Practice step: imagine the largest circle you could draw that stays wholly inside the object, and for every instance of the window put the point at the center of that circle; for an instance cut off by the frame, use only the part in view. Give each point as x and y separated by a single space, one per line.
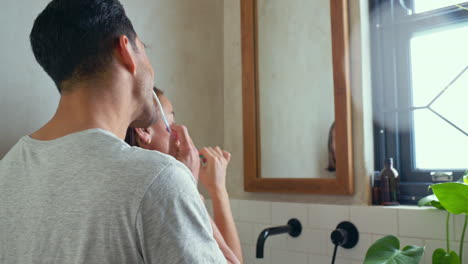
420 90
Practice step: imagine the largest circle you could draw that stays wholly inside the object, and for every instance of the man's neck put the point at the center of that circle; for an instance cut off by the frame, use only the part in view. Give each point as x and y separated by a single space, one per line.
86 108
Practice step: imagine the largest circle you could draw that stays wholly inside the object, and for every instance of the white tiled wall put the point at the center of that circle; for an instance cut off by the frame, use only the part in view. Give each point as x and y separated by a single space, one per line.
413 225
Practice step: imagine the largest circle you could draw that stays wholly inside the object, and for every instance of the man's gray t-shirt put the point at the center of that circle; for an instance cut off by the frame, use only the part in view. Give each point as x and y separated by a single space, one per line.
88 197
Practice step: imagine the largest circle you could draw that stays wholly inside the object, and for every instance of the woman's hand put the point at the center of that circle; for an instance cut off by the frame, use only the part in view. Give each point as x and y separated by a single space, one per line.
213 178
213 173
182 148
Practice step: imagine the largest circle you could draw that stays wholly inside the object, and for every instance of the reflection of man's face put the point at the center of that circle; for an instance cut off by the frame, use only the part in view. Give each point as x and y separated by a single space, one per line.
331 149
144 80
333 141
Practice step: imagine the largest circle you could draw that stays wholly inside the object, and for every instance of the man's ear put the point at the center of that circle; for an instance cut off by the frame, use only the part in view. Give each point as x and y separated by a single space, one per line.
126 54
144 135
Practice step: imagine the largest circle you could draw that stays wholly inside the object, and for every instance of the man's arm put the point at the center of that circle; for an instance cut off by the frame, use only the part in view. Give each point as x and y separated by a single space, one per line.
172 225
183 149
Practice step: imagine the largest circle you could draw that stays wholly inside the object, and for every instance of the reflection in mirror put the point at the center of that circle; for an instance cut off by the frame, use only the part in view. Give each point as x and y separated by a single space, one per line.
295 89
296 97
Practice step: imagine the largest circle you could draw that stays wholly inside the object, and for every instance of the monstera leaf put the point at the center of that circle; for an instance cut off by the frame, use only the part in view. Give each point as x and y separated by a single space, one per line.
453 196
440 256
387 251
430 200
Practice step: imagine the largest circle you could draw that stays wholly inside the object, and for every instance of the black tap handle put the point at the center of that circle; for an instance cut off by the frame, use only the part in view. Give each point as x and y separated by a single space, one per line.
339 237
293 228
345 235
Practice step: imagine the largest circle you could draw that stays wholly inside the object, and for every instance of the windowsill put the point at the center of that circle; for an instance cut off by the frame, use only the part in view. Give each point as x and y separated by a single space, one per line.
406 207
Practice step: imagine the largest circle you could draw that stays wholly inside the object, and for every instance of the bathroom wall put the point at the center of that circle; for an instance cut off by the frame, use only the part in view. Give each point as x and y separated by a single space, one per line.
185 47
185 40
361 108
413 226
28 97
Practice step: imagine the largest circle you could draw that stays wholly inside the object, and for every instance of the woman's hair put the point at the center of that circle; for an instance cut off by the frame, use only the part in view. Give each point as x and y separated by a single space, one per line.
131 137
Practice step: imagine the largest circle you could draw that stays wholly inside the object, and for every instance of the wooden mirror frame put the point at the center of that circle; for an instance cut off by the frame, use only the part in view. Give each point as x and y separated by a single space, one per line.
344 181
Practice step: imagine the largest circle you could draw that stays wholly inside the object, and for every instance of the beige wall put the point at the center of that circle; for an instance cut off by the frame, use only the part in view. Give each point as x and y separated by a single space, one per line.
185 39
185 47
362 119
28 97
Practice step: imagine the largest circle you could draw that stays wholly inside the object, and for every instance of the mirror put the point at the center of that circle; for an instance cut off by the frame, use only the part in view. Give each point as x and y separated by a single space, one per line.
295 87
296 97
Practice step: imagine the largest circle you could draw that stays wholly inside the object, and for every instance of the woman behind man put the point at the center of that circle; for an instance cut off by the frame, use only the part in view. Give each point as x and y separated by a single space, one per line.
212 174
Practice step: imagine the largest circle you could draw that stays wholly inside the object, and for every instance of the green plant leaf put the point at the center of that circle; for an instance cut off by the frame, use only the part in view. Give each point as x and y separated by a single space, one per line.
440 256
453 196
430 200
387 251
463 179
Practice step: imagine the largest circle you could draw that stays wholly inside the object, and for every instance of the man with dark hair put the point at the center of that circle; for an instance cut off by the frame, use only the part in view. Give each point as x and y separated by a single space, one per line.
74 191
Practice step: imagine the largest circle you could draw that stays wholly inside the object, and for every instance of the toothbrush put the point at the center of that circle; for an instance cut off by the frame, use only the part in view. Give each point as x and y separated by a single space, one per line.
168 128
203 160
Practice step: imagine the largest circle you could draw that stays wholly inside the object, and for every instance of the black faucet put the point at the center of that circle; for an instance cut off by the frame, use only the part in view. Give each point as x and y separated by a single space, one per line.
293 228
345 235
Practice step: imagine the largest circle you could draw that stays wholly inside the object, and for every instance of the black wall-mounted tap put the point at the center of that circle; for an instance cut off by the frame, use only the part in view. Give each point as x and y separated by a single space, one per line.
293 228
345 235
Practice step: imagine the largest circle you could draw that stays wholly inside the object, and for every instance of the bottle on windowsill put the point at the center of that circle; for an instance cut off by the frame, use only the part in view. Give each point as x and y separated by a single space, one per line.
389 184
375 188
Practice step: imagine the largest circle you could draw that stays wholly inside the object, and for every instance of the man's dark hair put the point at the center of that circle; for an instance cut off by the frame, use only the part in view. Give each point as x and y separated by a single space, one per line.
75 38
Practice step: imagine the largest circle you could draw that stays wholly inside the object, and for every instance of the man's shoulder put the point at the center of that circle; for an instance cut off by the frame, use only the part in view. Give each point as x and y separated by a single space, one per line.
162 176
158 164
128 158
144 157
140 161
